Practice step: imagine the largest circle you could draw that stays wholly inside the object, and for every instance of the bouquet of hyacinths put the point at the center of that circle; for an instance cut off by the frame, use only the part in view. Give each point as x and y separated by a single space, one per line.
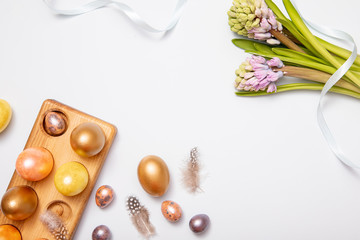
285 47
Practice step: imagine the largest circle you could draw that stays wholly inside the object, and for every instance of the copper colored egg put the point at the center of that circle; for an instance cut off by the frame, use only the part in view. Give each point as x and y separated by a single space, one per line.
199 223
153 175
171 211
19 202
104 196
101 232
87 139
9 232
34 164
55 123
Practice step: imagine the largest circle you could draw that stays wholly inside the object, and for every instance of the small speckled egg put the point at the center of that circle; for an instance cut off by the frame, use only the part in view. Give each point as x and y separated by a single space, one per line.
171 211
101 232
104 196
55 123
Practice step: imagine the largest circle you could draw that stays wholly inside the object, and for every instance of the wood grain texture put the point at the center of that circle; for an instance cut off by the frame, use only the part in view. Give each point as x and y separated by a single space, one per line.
70 208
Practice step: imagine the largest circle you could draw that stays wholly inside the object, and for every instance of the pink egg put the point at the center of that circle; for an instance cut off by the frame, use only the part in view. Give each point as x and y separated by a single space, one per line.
34 164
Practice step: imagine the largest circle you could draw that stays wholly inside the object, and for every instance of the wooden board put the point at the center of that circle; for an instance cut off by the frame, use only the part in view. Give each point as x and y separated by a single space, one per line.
70 208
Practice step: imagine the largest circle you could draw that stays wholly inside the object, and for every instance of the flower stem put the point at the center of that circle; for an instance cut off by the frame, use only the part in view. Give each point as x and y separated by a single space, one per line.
301 86
286 41
345 54
294 15
315 75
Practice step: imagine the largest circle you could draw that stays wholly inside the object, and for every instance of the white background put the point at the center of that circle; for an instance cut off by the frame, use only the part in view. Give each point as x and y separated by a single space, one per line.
268 172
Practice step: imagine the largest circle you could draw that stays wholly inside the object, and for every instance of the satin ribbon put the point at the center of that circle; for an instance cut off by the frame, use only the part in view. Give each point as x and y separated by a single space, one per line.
345 37
130 13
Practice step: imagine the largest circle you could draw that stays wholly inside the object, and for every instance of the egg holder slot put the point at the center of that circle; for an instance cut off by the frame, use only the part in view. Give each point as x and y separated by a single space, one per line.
69 209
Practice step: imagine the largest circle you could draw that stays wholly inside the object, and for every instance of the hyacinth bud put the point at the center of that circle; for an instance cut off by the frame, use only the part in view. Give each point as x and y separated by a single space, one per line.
253 19
273 41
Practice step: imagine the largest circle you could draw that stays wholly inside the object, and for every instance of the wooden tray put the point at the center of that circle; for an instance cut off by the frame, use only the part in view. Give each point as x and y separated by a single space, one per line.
69 208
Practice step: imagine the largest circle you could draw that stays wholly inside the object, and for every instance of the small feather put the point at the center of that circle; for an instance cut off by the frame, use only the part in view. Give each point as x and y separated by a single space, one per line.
55 225
190 173
140 217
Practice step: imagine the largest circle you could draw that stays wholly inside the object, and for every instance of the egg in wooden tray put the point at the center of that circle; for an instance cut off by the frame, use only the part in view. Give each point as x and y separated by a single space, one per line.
55 174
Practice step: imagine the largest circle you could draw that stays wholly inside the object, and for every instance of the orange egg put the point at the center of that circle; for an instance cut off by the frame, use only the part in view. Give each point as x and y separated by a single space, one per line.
34 164
9 232
171 211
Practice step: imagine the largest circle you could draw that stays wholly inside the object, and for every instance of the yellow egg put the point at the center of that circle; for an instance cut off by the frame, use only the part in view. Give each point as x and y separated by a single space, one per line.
5 114
153 175
71 178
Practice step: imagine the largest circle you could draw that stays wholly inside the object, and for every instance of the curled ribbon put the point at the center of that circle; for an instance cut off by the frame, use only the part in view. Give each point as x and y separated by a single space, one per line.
345 37
129 12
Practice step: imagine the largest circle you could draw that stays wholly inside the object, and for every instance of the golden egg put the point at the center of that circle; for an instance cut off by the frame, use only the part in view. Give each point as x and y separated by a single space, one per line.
153 175
87 139
19 202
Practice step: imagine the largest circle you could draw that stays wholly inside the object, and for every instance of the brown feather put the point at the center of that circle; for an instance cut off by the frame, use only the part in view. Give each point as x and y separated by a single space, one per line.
140 217
190 173
55 225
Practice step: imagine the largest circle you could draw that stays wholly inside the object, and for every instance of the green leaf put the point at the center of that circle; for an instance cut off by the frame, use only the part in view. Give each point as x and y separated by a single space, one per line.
298 55
244 44
301 86
263 48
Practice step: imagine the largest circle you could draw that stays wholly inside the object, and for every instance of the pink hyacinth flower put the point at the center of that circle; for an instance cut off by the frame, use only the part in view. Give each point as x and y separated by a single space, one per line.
258 59
271 88
264 83
264 11
265 25
275 62
248 75
258 66
262 36
273 22
261 74
251 82
273 76
258 30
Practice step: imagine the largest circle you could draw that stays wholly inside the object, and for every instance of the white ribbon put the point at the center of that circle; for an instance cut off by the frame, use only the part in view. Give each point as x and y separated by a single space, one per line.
132 15
345 37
